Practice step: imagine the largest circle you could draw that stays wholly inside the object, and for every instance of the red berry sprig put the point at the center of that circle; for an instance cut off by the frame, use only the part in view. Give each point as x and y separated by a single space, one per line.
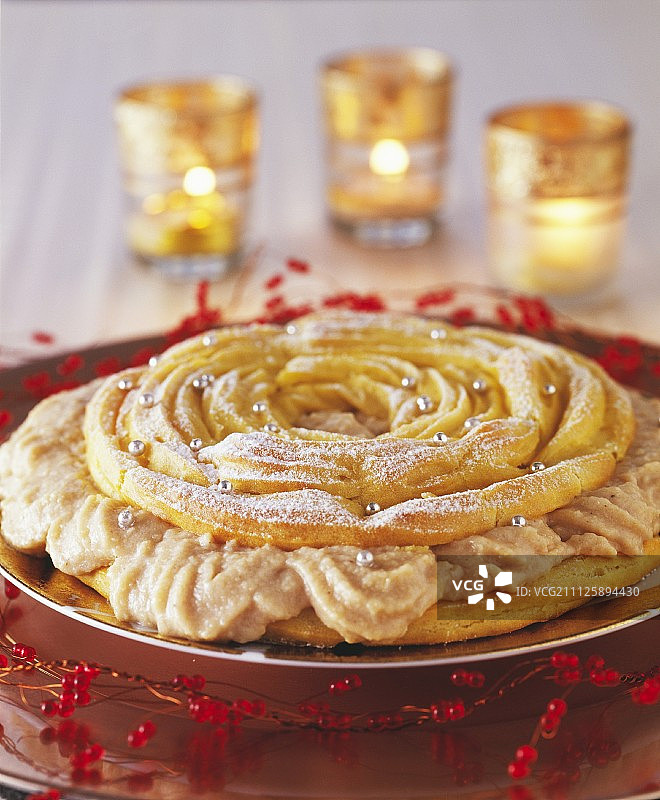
447 710
567 666
73 691
520 767
526 755
551 719
461 677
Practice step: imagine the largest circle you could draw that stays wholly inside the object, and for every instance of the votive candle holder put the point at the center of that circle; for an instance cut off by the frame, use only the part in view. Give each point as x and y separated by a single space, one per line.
557 186
188 152
387 115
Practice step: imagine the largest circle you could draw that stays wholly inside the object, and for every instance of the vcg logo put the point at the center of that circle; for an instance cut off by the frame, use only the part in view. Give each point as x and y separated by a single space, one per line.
501 579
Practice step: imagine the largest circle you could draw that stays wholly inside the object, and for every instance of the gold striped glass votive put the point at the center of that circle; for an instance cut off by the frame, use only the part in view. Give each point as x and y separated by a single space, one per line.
188 152
386 116
557 180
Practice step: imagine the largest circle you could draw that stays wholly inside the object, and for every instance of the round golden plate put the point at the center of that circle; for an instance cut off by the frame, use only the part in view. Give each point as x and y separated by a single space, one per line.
38 578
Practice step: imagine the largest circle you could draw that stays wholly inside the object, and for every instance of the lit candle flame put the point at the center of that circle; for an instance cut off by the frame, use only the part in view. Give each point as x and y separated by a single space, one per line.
389 158
199 181
567 211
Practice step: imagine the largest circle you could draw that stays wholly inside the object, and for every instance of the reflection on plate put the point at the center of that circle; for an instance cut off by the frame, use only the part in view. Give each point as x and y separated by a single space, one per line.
38 578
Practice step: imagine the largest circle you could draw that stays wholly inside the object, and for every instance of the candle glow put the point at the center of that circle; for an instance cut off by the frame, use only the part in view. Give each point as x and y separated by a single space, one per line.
199 181
389 158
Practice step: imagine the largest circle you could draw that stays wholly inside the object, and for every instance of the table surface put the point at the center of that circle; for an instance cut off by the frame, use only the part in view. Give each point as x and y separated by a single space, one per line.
64 268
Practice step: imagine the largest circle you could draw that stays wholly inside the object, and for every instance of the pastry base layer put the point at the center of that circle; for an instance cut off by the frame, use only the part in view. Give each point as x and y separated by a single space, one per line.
470 622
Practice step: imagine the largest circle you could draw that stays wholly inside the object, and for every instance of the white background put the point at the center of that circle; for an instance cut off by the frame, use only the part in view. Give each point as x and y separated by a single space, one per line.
63 263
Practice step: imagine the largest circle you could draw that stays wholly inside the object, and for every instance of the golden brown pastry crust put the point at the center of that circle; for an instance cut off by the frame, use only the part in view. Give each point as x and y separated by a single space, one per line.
293 487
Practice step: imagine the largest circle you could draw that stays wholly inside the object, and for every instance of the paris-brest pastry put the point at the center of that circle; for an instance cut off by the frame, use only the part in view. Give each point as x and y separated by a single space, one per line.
334 479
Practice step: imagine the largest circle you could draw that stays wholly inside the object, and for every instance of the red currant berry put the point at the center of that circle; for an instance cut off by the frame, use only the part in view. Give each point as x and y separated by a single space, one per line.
558 659
324 721
147 728
65 709
557 707
353 681
82 698
598 759
95 752
612 675
80 680
527 754
597 677
568 676
3 661
241 704
594 662
136 739
11 591
439 712
574 776
572 660
49 708
67 697
459 677
456 710
476 680
549 723
518 770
